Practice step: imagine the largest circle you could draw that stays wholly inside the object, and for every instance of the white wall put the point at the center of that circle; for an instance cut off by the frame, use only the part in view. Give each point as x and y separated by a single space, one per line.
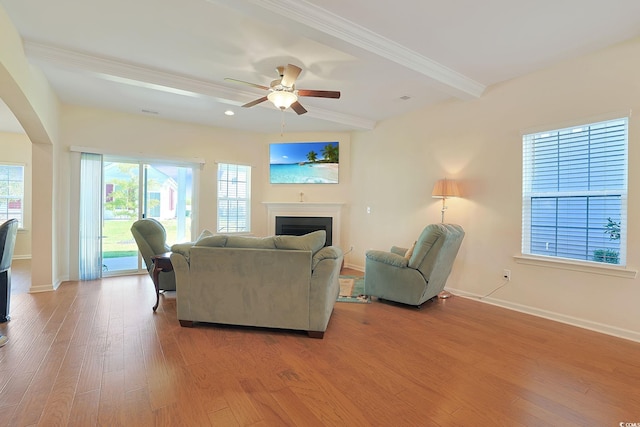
479 142
16 148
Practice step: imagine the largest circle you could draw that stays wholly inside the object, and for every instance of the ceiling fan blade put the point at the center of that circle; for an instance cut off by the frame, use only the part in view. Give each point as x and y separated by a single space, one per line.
246 83
256 102
319 93
291 73
298 108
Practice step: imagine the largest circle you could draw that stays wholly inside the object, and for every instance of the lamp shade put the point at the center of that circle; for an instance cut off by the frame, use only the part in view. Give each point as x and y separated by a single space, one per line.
445 188
282 98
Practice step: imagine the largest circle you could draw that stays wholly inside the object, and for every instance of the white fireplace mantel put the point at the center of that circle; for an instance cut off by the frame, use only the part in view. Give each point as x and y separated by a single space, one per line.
333 210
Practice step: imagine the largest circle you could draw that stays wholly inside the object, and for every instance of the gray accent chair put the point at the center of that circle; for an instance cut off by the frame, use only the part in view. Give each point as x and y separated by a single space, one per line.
8 233
421 276
151 238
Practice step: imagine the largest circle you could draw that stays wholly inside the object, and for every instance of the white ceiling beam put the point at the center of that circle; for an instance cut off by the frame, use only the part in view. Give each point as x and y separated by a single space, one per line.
334 25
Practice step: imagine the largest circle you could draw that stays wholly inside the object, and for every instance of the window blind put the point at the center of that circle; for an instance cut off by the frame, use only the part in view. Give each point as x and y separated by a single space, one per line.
234 198
575 192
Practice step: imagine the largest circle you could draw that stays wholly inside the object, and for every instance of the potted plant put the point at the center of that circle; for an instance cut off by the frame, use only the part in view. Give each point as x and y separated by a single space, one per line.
609 256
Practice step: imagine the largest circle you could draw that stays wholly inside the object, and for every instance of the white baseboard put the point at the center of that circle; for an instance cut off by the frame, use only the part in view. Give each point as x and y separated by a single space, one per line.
41 288
558 317
21 256
354 267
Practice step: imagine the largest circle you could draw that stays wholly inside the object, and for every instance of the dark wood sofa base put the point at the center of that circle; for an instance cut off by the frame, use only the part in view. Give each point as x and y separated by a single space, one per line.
312 334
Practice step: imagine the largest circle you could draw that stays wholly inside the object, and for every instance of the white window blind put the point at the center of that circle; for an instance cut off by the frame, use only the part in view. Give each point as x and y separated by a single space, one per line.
575 192
234 198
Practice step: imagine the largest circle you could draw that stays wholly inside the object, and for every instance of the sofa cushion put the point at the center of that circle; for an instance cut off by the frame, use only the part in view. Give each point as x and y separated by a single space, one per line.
213 241
313 241
250 242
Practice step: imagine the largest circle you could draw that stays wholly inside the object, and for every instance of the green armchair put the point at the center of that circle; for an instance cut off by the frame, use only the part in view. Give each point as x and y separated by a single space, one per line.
151 238
414 276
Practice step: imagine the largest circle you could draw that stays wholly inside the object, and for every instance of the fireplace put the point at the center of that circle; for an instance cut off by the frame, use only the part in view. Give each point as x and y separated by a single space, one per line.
307 209
299 225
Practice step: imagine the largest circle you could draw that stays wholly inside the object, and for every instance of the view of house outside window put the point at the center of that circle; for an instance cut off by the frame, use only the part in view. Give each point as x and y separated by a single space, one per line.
234 198
12 193
575 192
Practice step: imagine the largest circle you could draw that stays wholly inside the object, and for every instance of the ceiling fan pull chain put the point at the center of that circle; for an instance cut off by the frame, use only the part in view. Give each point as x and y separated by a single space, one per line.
282 123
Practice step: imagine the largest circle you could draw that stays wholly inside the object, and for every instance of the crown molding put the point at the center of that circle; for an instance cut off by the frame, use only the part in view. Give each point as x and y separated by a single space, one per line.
334 25
104 67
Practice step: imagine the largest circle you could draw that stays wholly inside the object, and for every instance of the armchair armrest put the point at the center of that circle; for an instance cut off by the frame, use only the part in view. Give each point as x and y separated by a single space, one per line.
398 250
388 258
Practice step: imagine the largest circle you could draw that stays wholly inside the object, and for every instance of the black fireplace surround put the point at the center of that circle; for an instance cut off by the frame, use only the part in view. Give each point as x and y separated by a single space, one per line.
299 225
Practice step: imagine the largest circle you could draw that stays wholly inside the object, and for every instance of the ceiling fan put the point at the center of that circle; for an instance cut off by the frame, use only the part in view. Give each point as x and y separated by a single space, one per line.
283 93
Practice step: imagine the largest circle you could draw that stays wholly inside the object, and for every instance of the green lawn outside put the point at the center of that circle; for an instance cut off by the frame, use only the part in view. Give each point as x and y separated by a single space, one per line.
118 241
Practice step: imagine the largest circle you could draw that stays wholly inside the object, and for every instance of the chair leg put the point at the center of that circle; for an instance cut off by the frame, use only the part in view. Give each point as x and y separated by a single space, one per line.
5 295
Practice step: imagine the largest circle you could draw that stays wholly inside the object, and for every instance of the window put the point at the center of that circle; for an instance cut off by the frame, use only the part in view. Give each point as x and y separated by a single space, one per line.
12 193
234 198
575 192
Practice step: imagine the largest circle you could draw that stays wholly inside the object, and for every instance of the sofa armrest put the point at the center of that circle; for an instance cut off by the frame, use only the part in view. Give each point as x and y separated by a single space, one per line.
183 285
389 258
327 252
183 249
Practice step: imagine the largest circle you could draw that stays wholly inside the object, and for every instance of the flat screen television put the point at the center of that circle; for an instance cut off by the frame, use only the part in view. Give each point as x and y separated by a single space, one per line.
304 162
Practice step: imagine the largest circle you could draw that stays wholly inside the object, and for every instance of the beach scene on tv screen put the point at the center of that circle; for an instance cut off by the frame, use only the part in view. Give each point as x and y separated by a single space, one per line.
304 163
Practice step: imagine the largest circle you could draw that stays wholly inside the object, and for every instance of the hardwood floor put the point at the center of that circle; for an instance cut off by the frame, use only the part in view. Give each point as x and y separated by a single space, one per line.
94 353
20 276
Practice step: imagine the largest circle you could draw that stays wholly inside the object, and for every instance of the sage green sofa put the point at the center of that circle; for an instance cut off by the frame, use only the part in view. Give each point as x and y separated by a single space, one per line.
415 275
286 282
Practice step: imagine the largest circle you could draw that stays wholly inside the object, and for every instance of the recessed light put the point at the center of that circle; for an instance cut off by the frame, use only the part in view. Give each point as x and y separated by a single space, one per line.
229 113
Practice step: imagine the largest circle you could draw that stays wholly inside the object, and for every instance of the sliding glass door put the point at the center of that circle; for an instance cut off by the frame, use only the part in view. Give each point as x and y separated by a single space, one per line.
134 190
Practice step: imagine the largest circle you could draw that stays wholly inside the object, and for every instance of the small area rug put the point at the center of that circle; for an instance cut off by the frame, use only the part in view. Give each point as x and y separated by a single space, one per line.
352 290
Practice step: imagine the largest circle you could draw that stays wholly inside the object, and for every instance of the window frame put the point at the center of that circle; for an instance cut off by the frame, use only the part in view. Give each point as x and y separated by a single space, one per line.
564 135
21 197
231 199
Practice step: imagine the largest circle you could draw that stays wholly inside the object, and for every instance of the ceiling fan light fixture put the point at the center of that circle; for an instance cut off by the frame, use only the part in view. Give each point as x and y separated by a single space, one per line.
282 98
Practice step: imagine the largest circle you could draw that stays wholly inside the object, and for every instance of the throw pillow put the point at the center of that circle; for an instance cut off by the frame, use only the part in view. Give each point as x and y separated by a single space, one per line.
313 241
205 233
409 252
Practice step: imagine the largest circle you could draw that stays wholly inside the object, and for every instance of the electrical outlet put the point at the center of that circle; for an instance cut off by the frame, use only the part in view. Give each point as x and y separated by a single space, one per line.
506 274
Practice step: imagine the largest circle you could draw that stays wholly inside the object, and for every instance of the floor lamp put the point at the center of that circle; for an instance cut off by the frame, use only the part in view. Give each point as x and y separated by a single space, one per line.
441 190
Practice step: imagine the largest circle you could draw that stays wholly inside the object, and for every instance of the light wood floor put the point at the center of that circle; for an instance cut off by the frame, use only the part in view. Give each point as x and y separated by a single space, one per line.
94 353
